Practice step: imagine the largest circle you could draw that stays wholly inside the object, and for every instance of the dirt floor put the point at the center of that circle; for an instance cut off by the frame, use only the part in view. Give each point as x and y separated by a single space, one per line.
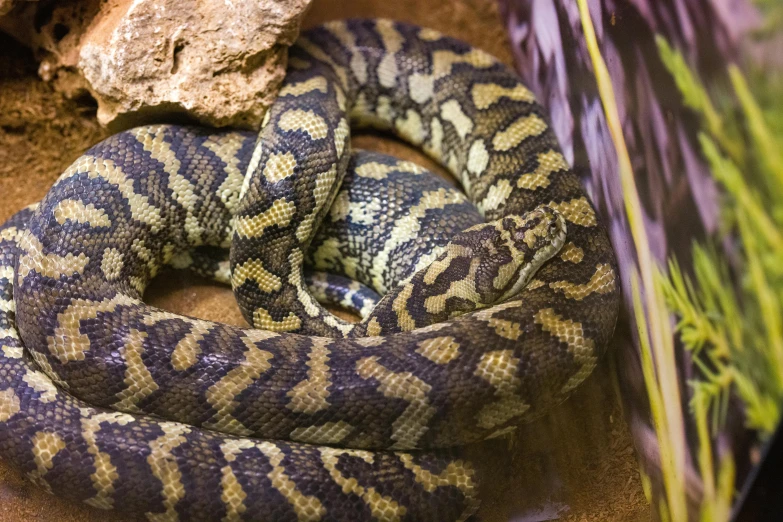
577 464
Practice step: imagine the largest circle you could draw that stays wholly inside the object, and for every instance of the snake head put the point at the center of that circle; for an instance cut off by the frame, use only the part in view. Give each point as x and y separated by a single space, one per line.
510 250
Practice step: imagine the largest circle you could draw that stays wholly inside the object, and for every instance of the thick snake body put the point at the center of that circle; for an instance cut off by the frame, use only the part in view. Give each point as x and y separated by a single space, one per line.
140 200
38 421
385 207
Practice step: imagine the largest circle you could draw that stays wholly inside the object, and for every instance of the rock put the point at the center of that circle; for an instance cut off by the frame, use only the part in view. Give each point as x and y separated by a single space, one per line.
6 5
218 62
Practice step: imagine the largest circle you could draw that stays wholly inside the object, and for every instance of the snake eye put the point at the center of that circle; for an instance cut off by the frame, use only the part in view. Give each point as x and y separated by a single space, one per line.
553 227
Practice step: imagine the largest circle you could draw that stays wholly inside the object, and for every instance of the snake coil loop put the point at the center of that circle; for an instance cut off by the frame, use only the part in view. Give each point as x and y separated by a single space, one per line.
307 417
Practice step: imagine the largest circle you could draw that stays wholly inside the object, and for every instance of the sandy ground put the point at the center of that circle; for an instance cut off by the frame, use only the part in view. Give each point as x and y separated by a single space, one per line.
577 464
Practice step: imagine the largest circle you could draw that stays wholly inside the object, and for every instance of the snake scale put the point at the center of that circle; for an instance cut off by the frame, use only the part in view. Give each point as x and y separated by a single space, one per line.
307 417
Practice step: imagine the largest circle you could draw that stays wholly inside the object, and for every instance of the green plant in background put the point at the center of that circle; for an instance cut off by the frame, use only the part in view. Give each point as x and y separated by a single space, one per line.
733 331
730 315
773 15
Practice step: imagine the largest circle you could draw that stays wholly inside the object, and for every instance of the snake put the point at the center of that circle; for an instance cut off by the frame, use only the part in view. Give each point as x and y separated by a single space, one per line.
305 416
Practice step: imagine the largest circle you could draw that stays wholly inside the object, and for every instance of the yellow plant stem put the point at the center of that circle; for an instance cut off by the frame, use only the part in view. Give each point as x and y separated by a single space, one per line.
700 406
729 175
669 422
769 305
725 496
656 400
696 97
769 154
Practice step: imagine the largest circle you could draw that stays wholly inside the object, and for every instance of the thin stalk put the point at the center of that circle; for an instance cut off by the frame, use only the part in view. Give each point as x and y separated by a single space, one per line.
700 407
725 493
768 152
768 304
659 328
695 96
731 178
656 400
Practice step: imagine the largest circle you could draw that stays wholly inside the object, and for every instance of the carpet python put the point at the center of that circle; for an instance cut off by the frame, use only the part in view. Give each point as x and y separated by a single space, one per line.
309 418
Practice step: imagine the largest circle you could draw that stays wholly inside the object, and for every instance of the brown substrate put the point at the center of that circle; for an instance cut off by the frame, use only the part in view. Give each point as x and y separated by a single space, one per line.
580 456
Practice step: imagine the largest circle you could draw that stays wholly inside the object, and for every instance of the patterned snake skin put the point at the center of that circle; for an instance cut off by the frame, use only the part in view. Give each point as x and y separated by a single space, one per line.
231 396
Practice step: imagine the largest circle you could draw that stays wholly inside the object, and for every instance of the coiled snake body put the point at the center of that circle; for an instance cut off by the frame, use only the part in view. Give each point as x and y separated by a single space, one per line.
409 377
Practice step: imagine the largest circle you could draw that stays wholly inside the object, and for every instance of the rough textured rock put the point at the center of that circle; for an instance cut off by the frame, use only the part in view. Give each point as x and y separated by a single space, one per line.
214 61
6 5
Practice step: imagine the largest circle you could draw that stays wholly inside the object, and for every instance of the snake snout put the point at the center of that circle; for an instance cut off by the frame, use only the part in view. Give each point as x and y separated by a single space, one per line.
541 230
556 227
535 237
